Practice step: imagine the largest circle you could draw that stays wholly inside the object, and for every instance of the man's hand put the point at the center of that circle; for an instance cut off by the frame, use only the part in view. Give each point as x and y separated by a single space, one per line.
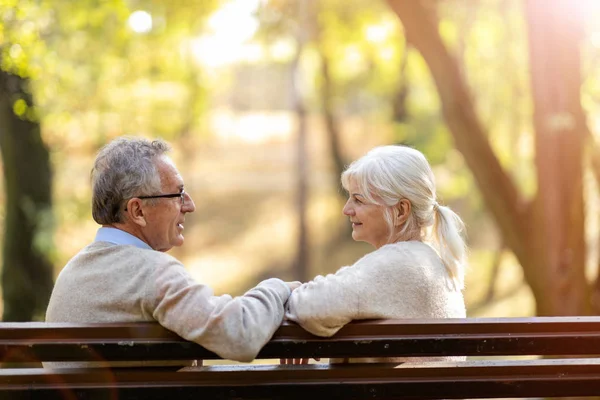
293 285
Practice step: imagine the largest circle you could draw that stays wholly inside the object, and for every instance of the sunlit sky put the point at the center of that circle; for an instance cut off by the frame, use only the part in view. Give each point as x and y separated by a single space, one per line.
227 39
229 30
231 27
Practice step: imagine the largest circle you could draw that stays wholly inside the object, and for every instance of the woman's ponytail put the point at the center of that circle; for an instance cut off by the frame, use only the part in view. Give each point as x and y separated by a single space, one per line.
447 236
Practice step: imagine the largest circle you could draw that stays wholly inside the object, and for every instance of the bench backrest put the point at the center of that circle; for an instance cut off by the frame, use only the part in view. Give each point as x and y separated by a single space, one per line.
557 336
576 336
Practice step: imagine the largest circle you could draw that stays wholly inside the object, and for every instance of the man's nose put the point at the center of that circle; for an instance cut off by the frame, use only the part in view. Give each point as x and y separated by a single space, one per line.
188 204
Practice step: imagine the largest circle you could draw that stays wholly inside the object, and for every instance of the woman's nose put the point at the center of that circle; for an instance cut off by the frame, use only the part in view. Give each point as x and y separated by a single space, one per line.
347 210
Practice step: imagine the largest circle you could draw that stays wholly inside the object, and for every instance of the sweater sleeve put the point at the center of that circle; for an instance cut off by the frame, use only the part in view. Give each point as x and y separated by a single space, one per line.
384 281
234 328
327 303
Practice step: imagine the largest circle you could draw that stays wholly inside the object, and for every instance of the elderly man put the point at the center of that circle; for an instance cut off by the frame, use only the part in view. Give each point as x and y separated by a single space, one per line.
125 275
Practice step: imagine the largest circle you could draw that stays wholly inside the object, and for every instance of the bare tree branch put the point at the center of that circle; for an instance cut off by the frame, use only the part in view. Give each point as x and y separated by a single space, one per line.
497 188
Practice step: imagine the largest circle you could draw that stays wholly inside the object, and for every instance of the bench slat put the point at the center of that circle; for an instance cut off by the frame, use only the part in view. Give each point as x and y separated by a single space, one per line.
474 379
133 350
151 331
540 378
393 338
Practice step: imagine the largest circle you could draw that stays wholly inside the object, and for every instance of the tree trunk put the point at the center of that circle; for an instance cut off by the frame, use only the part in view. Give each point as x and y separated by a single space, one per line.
27 272
399 107
332 127
595 165
546 235
555 31
498 190
301 261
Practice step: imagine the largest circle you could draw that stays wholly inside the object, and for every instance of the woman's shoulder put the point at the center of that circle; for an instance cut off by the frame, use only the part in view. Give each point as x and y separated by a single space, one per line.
409 255
408 250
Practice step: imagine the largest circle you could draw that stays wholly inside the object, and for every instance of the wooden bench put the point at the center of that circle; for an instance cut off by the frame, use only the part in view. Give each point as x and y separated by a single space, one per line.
490 378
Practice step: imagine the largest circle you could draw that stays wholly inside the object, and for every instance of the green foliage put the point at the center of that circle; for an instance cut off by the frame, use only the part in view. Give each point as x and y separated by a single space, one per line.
89 69
93 78
490 41
364 45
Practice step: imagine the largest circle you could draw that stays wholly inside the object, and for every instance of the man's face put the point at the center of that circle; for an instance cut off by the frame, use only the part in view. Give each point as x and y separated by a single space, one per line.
166 217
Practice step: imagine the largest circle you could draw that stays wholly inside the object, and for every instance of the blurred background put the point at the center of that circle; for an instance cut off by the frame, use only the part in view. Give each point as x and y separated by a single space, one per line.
266 101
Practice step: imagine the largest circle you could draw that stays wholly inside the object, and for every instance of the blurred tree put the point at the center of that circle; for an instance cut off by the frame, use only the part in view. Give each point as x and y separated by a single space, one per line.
332 124
305 11
27 275
350 49
334 39
82 72
546 233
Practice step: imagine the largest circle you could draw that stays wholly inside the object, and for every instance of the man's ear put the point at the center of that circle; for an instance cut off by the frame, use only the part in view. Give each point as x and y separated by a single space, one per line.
401 212
135 212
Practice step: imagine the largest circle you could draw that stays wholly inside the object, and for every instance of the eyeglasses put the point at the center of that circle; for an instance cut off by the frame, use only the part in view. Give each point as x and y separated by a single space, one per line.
166 196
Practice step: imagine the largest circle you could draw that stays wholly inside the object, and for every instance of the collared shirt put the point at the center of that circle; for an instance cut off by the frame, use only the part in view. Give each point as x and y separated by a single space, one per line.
119 237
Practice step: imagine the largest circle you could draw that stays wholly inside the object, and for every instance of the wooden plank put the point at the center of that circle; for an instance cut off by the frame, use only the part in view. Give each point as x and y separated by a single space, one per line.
531 378
390 338
151 331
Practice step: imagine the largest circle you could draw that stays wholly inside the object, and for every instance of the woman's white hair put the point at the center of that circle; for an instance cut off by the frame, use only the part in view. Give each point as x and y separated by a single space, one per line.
388 174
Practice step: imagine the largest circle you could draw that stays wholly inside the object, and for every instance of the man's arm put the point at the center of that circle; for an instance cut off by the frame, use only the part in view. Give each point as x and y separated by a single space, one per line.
234 328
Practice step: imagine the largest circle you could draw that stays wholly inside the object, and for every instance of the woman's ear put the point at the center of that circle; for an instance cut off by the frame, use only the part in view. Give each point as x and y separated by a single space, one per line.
401 212
135 212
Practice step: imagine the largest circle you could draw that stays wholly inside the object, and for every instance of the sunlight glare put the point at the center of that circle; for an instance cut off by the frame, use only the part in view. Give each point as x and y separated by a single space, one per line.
353 55
387 53
591 12
235 20
257 127
283 50
252 52
230 27
595 39
140 21
588 5
376 33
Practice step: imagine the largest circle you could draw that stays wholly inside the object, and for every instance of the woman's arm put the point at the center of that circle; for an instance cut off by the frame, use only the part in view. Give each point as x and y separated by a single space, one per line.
389 281
327 303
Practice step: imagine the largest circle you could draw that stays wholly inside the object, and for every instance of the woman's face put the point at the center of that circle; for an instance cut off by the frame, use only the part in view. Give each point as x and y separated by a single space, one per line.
368 223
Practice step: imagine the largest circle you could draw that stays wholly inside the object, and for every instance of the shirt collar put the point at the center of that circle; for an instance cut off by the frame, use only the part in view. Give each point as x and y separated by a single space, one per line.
119 237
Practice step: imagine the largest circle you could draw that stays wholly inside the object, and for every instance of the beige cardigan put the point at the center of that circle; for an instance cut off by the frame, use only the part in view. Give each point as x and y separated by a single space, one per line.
121 283
400 280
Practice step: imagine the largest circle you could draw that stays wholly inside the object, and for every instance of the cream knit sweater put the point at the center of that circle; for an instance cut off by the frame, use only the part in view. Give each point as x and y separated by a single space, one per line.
400 280
118 283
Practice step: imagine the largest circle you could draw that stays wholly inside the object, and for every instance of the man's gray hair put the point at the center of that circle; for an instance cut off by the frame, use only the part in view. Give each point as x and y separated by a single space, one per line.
124 168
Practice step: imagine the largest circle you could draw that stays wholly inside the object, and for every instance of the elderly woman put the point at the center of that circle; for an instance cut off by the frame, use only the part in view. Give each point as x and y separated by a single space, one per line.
417 268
